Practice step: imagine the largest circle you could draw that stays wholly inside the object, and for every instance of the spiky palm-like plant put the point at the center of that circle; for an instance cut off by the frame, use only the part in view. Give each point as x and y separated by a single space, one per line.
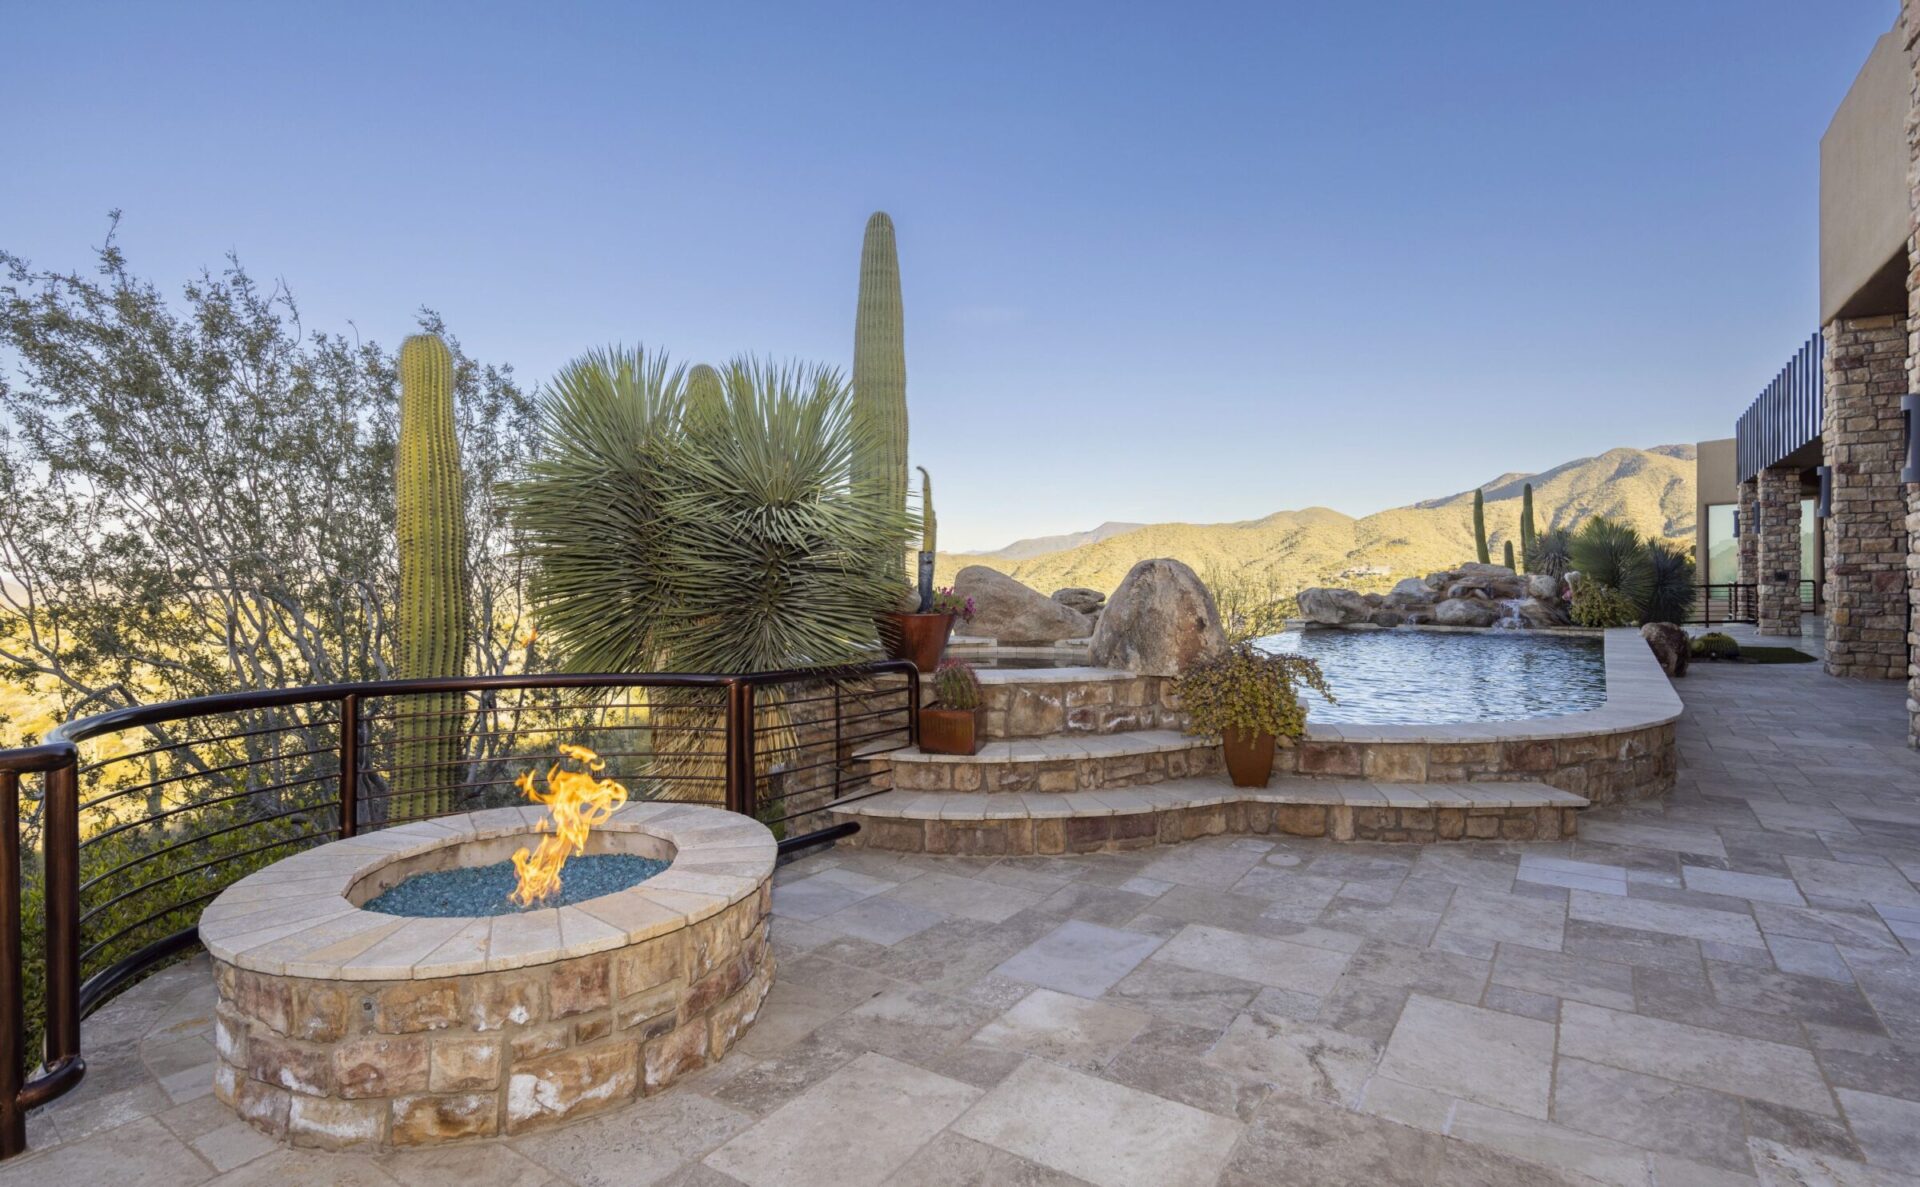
1672 594
1480 526
880 368
778 555
1610 553
1551 553
431 622
589 508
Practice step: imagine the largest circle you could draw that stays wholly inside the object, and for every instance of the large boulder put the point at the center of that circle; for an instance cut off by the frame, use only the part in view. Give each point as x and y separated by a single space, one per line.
1331 607
1007 611
1077 597
1542 586
1670 646
1159 621
1539 612
1498 586
1466 612
1410 588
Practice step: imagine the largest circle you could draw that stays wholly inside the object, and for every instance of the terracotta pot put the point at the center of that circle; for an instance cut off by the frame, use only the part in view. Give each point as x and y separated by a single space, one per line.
1249 757
952 731
921 638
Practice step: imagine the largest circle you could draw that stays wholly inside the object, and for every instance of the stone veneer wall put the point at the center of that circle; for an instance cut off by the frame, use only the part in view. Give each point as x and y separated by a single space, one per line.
1042 709
381 1064
1607 768
1779 561
1863 437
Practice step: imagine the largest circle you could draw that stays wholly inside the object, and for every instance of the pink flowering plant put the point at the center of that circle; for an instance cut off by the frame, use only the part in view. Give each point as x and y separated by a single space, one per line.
946 601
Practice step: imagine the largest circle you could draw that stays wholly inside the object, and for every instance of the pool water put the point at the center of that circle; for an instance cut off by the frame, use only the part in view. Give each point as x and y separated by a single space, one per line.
1419 677
482 890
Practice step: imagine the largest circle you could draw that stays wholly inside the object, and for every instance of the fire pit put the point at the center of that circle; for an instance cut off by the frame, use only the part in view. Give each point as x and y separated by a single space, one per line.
339 1025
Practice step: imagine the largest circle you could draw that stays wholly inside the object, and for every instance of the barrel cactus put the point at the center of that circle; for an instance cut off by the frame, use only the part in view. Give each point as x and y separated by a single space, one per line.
880 369
430 629
1480 527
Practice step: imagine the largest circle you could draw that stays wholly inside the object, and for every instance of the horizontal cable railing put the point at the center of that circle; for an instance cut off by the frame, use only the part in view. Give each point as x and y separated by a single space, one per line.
1724 603
144 815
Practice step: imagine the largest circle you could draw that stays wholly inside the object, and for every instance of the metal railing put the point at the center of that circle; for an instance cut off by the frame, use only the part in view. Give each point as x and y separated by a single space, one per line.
1785 416
1717 604
143 815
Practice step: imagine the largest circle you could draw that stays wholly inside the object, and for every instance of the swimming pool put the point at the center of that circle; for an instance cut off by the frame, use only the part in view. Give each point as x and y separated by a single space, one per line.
1418 676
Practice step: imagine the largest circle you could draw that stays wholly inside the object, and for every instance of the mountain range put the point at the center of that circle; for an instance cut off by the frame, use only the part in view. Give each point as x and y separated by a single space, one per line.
1653 489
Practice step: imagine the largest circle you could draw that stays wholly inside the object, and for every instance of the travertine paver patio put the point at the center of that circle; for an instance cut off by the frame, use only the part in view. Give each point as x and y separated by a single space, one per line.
1715 989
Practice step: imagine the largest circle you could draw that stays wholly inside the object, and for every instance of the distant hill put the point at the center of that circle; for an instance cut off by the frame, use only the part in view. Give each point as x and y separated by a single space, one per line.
1653 489
1021 550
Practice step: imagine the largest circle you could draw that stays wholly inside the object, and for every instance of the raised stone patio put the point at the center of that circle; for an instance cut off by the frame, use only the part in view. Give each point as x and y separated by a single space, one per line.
1716 988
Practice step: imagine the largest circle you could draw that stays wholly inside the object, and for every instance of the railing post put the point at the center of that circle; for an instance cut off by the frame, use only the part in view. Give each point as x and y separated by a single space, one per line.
60 847
739 743
350 764
13 1023
913 706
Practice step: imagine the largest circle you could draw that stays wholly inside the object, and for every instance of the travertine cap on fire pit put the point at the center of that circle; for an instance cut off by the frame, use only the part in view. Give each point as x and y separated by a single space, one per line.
295 918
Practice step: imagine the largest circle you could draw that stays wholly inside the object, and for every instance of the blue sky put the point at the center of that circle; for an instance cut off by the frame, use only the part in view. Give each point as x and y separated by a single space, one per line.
1189 261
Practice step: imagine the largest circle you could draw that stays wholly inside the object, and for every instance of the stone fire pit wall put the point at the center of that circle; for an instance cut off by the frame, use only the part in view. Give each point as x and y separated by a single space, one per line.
339 1027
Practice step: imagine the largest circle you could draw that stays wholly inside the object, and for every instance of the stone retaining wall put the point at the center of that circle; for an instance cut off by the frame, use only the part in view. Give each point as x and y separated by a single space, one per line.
1607 768
1038 708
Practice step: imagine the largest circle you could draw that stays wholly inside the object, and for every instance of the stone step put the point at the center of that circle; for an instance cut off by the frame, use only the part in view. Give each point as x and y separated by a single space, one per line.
1058 763
1181 809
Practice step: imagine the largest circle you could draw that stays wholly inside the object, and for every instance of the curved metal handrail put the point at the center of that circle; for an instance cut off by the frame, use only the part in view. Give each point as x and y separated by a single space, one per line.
57 762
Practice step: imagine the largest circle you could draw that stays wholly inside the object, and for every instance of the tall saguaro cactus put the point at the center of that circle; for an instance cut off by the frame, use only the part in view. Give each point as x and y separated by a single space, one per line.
1480 526
431 629
1510 556
1527 531
880 367
706 400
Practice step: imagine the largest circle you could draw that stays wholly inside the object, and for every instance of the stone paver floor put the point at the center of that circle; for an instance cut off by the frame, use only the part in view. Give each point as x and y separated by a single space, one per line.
1718 989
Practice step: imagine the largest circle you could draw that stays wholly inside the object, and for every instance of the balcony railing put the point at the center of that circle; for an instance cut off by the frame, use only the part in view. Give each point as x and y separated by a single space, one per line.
143 815
1785 416
1717 604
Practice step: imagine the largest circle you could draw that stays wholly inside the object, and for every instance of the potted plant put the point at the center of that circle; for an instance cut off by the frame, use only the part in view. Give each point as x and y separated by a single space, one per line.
920 634
956 723
1250 700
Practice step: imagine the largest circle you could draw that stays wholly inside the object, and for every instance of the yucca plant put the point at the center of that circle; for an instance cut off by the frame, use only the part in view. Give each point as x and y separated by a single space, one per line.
1551 553
1610 553
773 551
590 509
1671 598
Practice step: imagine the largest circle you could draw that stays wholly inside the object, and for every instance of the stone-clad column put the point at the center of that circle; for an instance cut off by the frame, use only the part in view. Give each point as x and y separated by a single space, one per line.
1866 535
1779 560
1910 34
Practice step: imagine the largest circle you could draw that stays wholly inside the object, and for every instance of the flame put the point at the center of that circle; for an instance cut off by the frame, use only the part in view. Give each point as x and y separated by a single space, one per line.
576 801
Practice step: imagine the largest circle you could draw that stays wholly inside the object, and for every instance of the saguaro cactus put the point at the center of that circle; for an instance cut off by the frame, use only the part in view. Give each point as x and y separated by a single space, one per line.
1480 526
1528 533
1510 556
880 367
431 626
706 400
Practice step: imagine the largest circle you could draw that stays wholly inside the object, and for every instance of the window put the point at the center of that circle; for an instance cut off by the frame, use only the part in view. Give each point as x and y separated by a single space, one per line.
1723 550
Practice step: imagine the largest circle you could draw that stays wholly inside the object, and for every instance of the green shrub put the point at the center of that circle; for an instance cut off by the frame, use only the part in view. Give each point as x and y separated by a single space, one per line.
1250 690
1596 605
